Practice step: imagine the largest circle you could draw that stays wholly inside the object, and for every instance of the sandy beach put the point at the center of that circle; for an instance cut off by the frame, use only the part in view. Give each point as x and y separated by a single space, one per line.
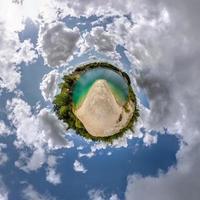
100 113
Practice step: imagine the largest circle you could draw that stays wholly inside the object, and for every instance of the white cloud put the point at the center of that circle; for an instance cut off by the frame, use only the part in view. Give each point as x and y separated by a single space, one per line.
20 115
3 158
89 154
37 159
121 142
36 130
100 195
48 86
96 195
180 182
3 155
26 53
12 53
51 175
3 190
114 197
29 193
53 129
33 163
4 130
102 41
150 139
109 153
57 43
9 43
79 167
51 161
99 7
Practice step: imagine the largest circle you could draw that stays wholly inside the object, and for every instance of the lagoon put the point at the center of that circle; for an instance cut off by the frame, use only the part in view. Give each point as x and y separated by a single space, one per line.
117 83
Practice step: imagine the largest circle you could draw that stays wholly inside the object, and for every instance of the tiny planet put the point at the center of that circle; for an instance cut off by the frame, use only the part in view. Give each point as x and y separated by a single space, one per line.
98 101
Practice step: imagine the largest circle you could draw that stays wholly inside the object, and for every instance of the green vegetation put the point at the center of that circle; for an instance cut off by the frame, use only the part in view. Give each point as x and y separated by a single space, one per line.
64 107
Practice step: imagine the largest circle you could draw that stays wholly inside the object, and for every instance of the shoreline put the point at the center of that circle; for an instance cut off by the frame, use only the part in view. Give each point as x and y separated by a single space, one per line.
100 111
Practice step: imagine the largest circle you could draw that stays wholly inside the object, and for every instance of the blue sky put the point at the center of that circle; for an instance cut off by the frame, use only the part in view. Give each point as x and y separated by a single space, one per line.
39 160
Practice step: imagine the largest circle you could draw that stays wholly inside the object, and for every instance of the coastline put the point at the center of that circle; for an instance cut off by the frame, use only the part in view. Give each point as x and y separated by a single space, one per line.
100 112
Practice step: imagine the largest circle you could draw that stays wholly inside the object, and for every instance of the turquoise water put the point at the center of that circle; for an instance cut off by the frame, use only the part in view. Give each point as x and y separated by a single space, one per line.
116 82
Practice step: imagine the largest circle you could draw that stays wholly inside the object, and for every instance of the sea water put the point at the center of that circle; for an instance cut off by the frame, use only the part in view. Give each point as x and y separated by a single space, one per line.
117 83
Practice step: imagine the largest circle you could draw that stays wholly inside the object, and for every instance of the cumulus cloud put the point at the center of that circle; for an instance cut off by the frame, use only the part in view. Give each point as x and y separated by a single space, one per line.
29 163
26 125
3 190
36 130
29 193
51 175
100 195
79 167
150 139
12 53
121 142
48 86
180 182
36 160
57 43
4 130
102 40
26 53
9 75
53 129
3 158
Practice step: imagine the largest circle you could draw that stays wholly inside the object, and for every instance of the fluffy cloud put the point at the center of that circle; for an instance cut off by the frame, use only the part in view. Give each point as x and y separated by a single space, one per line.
12 53
48 86
29 193
121 142
26 53
51 175
102 41
4 130
180 183
36 130
27 163
53 130
57 43
3 190
20 115
149 139
9 75
79 167
99 195
3 158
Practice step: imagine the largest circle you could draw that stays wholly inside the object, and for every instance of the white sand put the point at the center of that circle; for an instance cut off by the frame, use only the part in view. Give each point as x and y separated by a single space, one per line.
100 113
